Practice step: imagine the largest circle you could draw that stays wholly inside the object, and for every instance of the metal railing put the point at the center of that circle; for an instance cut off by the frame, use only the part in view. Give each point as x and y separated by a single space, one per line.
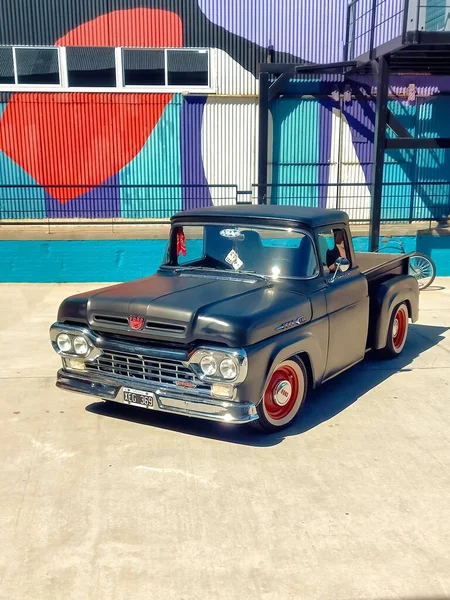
107 203
372 23
402 201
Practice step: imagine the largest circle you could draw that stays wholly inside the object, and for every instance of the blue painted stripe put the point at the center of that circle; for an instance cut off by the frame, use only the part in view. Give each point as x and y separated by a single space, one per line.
123 260
79 261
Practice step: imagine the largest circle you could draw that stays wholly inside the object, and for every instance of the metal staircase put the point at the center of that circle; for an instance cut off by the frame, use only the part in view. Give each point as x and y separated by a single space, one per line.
382 37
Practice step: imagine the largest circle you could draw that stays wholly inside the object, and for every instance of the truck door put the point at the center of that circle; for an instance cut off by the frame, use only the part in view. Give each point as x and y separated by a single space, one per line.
347 302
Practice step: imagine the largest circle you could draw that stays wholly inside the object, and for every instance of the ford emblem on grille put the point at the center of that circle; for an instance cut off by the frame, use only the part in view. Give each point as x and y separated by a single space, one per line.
136 322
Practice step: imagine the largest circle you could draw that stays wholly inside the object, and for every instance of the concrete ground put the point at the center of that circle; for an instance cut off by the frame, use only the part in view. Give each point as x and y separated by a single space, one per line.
113 502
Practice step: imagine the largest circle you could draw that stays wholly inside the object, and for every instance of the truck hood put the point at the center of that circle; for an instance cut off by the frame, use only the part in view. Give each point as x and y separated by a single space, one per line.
185 309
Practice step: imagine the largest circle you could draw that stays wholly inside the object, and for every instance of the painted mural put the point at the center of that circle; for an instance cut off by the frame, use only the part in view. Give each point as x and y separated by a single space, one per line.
131 155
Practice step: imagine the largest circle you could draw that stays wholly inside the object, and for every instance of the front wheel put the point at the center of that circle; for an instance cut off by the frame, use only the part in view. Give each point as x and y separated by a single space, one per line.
284 396
423 269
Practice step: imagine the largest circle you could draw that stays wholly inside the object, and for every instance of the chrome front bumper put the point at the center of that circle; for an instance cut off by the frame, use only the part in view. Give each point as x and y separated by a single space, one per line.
165 400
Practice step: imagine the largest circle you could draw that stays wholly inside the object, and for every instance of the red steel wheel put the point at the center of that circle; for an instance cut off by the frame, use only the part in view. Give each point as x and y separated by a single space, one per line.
397 332
400 328
284 395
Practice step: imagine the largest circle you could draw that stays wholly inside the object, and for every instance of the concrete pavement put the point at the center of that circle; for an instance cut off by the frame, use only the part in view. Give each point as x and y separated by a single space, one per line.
113 502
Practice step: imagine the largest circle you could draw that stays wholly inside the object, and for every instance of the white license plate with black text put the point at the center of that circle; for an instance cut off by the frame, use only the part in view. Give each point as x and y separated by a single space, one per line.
137 398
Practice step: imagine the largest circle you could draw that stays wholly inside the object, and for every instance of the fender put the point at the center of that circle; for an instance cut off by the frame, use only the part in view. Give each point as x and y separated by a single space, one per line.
310 339
391 294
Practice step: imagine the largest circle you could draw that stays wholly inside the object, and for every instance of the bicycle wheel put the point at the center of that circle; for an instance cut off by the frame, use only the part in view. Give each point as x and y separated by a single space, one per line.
423 269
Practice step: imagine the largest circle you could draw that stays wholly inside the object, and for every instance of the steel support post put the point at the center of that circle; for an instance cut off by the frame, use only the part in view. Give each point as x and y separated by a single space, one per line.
263 136
382 71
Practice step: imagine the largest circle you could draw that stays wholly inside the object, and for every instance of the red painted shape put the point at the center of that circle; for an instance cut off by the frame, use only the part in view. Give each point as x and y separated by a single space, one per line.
136 322
134 27
285 373
79 140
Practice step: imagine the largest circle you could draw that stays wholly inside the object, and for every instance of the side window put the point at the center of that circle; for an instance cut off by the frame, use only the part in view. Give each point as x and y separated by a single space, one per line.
333 244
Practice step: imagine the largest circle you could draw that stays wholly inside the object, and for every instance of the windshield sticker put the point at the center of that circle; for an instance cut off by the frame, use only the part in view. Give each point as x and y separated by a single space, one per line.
181 242
232 233
233 259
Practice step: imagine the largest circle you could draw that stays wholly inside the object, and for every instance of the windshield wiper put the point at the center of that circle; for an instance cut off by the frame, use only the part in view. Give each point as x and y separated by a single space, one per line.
197 268
254 273
228 271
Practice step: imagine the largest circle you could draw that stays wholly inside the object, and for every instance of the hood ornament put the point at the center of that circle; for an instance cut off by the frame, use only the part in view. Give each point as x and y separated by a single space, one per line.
136 322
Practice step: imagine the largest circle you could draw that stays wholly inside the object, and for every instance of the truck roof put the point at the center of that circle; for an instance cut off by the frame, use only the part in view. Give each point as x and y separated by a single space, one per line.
311 217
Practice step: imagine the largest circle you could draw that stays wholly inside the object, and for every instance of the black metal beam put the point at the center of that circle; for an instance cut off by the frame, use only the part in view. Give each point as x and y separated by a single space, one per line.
417 143
381 72
263 122
396 126
278 85
279 68
336 67
372 27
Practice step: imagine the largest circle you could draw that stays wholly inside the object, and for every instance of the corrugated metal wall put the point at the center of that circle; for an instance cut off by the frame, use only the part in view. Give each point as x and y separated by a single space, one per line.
295 158
229 145
149 155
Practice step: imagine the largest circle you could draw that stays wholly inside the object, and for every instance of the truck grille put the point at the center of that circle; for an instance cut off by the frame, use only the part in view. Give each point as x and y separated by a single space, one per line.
145 368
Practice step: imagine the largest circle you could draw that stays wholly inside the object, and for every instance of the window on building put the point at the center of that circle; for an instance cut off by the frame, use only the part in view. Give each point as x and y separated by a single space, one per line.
6 65
187 67
143 67
38 66
79 67
91 67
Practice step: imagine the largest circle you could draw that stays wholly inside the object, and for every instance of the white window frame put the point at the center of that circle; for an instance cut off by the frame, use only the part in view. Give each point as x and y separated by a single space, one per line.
166 88
34 86
120 86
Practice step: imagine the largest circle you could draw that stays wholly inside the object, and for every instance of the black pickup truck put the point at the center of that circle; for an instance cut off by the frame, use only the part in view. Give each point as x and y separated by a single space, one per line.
252 307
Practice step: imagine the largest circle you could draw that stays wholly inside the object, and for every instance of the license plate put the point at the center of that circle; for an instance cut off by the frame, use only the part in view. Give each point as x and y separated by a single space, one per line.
136 398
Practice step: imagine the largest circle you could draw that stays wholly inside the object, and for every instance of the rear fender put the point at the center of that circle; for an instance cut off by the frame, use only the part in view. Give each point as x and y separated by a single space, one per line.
393 292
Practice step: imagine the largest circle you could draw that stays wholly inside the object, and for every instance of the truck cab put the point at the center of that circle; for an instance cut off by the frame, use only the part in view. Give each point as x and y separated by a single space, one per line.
252 307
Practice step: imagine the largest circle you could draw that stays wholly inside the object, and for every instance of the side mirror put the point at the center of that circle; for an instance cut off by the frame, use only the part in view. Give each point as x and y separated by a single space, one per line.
342 265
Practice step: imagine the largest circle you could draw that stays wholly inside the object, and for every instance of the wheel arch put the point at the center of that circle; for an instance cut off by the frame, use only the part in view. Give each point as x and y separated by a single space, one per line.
293 353
395 291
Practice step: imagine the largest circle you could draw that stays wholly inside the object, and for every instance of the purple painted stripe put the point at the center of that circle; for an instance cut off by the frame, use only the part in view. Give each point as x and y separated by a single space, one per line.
194 183
313 30
99 203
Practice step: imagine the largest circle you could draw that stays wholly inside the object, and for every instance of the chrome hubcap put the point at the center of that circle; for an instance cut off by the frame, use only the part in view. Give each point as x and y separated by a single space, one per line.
395 328
282 393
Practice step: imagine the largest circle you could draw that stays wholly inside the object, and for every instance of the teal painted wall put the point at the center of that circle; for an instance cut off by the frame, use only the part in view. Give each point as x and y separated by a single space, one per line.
157 164
123 260
295 154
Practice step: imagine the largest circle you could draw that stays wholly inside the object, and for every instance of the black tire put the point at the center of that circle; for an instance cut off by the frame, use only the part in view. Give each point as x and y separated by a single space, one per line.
423 269
397 332
283 397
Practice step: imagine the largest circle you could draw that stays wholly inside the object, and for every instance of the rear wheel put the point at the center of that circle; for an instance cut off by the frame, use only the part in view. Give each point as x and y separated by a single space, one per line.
284 396
397 332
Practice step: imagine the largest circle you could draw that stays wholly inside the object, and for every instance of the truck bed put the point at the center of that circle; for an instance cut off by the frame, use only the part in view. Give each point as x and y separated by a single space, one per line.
377 266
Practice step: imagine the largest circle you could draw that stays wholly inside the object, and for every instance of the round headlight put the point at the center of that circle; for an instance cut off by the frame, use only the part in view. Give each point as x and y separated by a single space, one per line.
80 345
208 365
64 342
228 368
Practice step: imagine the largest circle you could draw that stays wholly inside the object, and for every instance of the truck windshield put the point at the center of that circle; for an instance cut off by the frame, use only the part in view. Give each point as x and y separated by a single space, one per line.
263 251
